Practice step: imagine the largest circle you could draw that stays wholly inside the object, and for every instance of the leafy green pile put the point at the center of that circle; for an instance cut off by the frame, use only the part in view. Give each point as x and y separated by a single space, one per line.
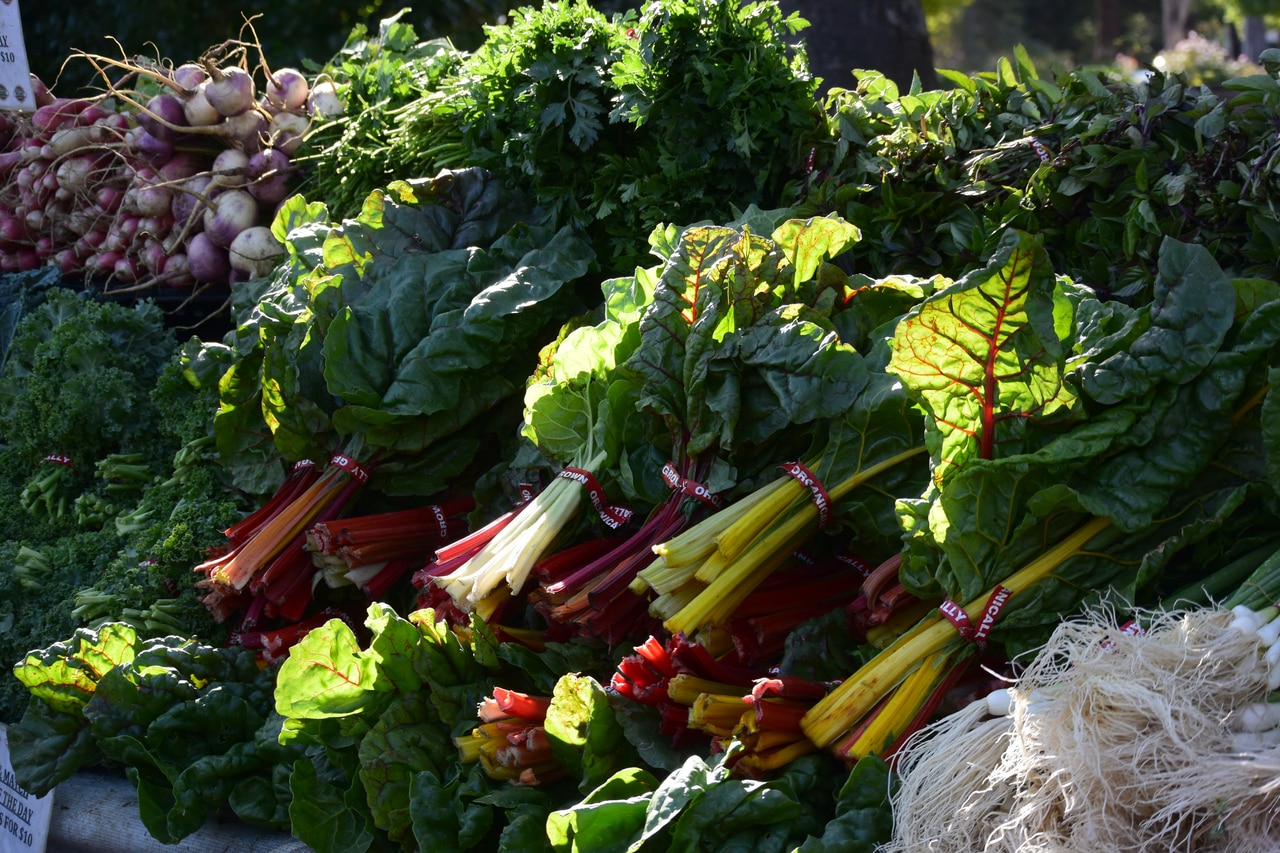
700 806
376 75
1101 169
612 124
377 719
394 334
116 539
191 722
78 376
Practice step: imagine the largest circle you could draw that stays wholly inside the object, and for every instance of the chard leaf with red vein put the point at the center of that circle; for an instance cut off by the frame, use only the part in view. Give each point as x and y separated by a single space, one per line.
738 344
983 356
53 741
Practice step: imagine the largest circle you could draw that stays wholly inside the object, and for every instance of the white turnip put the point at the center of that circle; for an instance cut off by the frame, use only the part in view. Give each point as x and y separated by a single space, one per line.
197 109
189 75
230 168
245 130
189 200
324 100
287 88
75 174
176 271
255 251
286 130
151 148
269 172
163 115
231 90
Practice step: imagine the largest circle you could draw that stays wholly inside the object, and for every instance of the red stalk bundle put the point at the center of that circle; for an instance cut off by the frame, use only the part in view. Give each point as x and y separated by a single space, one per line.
270 553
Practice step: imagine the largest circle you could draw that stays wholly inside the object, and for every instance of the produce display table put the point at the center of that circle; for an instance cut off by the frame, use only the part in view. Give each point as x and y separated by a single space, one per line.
98 811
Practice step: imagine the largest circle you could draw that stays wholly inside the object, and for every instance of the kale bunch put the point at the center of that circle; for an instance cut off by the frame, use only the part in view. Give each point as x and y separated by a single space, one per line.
78 377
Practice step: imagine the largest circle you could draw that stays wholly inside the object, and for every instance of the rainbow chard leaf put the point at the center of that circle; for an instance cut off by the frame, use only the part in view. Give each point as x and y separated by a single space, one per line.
984 358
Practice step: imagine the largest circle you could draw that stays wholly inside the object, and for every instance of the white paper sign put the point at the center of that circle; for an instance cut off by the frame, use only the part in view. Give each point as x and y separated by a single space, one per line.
24 818
15 72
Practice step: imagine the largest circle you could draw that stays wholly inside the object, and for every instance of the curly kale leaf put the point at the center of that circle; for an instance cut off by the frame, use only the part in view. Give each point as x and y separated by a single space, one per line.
79 374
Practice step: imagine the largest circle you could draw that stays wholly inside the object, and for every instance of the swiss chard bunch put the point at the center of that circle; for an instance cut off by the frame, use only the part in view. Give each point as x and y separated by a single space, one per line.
387 347
378 713
193 725
1077 448
396 331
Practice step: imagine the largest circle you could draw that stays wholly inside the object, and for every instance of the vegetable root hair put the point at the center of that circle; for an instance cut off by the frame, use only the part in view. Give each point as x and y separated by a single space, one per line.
1115 742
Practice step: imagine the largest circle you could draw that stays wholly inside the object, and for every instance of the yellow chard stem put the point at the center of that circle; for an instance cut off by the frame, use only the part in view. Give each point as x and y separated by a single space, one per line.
854 698
700 540
774 540
781 494
902 706
684 688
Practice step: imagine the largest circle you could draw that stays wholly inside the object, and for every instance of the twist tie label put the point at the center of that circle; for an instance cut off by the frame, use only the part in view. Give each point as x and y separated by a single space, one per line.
526 493
856 563
351 466
817 492
442 521
58 459
1128 629
303 463
685 486
976 634
613 516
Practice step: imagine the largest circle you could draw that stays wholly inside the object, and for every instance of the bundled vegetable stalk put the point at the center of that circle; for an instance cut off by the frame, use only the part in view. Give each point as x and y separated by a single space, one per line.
745 711
317 361
373 551
272 562
583 416
707 572
1149 738
1069 461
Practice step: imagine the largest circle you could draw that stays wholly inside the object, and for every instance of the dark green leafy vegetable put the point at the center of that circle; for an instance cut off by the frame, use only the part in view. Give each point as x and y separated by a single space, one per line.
335 348
190 722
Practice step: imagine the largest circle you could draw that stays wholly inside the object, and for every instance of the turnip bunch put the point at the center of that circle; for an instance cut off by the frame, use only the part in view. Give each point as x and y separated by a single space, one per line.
170 176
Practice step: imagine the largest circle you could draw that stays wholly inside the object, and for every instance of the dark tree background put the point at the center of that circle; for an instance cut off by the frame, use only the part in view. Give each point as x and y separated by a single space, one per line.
890 36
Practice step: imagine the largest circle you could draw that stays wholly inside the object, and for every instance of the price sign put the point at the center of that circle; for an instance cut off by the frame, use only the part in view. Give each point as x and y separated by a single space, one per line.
24 819
15 73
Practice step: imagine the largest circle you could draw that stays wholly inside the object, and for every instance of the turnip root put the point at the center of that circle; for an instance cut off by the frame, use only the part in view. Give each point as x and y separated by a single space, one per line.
230 168
230 213
230 90
198 111
287 88
324 100
207 262
255 252
269 172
